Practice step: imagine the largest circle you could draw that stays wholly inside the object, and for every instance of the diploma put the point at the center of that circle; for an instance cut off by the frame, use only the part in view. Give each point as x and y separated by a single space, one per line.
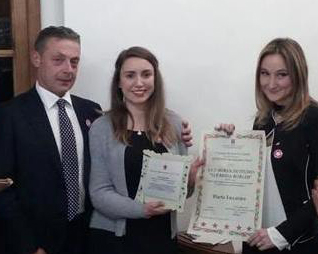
164 177
5 183
230 187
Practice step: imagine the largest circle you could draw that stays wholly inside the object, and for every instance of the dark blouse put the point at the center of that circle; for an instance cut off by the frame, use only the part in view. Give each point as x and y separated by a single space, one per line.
151 235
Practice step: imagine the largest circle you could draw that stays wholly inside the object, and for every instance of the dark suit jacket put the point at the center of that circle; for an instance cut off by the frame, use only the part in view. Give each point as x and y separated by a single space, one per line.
33 210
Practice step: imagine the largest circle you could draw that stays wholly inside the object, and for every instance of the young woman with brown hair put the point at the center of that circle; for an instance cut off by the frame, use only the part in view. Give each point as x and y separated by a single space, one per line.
137 120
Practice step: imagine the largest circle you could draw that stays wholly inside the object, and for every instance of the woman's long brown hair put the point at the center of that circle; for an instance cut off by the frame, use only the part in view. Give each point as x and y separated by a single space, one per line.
157 125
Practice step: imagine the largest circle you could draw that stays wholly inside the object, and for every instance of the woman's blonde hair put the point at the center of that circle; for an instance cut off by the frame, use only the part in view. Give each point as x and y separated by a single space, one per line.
295 61
157 125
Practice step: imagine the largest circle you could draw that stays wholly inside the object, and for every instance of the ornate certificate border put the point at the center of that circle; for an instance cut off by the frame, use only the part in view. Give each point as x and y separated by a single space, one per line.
202 226
183 189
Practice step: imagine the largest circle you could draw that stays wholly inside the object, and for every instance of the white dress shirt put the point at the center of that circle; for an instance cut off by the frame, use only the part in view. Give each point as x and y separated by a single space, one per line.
49 100
273 208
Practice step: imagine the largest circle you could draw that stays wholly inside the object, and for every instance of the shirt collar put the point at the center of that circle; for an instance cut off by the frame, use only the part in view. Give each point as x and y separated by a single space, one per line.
49 99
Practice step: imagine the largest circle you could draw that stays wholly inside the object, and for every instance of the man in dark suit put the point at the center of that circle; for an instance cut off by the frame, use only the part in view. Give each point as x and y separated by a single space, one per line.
47 208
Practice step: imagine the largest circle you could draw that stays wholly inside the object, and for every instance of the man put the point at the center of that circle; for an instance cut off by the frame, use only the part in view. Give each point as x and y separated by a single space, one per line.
44 150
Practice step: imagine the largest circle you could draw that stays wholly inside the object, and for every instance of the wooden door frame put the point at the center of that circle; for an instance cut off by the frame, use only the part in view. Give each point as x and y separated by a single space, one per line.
25 16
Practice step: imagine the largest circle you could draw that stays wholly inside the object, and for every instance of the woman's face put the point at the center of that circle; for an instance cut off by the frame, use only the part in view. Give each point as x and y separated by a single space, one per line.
137 81
275 79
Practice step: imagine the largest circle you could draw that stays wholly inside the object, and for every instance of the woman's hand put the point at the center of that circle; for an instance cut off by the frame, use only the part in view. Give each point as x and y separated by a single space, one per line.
155 208
186 135
227 128
314 193
194 170
261 240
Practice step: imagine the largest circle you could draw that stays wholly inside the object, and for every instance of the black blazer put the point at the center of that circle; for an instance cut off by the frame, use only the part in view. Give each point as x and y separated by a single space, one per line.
295 172
33 211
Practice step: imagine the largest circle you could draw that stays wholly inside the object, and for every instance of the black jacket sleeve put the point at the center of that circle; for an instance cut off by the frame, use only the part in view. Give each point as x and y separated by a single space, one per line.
18 233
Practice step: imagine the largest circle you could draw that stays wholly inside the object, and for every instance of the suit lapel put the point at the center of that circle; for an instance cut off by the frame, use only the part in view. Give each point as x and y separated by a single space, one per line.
36 116
82 117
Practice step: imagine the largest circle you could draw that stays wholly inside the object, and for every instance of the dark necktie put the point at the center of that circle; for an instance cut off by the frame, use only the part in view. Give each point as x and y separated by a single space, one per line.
69 160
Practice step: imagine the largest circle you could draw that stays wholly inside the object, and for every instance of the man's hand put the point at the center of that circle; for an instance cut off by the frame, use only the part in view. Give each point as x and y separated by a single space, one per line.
227 128
186 135
261 240
40 251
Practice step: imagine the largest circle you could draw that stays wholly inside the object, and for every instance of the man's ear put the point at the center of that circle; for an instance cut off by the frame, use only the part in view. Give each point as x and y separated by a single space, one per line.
36 58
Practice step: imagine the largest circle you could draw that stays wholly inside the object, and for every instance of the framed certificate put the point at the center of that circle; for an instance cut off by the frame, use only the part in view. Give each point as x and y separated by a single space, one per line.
164 177
230 187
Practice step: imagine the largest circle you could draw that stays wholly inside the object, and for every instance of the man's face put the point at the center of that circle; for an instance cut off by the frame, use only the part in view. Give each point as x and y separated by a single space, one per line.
57 65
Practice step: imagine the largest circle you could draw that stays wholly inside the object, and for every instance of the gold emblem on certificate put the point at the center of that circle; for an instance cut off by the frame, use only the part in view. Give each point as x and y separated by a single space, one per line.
230 187
164 177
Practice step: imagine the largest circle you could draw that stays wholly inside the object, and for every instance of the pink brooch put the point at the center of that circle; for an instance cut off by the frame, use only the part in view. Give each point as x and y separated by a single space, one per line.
88 123
278 154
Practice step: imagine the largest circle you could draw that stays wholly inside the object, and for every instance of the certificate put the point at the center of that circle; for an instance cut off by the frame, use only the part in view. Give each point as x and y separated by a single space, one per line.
164 177
230 187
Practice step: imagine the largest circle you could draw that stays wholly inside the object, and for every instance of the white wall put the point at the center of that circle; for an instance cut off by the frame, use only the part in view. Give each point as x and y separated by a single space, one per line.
52 12
207 50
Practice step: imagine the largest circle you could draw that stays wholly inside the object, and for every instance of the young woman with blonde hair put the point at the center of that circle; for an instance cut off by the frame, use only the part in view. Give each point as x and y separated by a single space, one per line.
289 117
